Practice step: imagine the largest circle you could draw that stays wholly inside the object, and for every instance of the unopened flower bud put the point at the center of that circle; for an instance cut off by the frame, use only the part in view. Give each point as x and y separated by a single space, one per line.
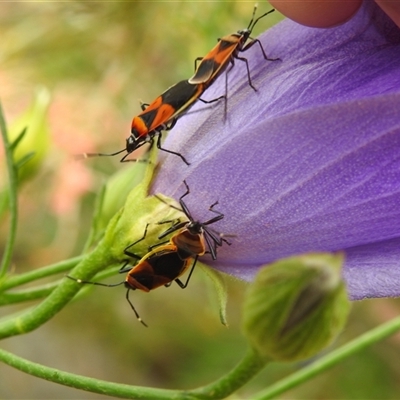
140 217
37 136
117 189
296 307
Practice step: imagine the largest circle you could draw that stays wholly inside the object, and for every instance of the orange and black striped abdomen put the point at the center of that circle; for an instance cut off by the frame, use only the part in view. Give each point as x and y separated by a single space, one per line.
173 101
216 60
157 269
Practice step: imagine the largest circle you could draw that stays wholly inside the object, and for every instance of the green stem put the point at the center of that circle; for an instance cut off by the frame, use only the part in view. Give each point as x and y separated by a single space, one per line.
13 182
29 320
333 358
27 295
247 368
94 231
40 292
44 272
85 383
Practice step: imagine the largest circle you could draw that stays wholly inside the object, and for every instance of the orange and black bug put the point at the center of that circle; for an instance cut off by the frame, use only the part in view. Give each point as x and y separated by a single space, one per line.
161 115
163 112
157 116
167 261
193 235
159 267
226 51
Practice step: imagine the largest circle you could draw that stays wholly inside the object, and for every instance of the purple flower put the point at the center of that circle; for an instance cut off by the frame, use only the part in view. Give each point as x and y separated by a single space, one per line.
309 162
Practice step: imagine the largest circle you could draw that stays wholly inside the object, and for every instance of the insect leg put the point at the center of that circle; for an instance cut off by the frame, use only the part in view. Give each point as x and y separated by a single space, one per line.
248 71
133 255
134 309
253 41
170 151
179 282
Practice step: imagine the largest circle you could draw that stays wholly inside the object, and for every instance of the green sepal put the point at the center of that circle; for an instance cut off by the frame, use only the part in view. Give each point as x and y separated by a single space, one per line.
219 283
119 186
112 196
18 139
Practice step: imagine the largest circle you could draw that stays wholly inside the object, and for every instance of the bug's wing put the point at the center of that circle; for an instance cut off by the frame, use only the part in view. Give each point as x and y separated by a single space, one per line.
203 73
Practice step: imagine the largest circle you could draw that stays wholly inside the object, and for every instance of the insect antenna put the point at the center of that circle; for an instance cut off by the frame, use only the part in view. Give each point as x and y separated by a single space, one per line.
90 155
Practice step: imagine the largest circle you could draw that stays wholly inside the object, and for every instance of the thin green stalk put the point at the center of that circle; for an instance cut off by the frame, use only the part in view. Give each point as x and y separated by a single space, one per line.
40 292
94 231
27 295
85 383
44 272
13 182
29 320
367 339
247 369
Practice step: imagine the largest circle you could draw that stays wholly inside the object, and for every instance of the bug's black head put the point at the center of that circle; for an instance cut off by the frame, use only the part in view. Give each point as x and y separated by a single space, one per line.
242 37
244 33
129 286
131 144
195 227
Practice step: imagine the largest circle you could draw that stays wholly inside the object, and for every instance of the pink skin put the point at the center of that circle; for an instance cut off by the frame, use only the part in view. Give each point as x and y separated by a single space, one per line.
327 14
391 8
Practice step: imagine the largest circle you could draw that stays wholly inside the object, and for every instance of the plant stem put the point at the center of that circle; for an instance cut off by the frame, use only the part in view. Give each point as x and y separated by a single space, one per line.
27 295
333 358
29 320
85 383
247 368
44 272
13 204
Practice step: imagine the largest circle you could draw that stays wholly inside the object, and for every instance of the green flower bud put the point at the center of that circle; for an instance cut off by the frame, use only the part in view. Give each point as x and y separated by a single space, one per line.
140 210
296 307
37 136
117 189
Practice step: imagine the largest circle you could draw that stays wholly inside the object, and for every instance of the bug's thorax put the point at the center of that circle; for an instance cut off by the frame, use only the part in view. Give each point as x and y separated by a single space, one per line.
138 127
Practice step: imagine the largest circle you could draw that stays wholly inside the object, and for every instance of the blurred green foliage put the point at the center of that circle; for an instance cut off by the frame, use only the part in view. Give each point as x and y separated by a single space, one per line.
98 59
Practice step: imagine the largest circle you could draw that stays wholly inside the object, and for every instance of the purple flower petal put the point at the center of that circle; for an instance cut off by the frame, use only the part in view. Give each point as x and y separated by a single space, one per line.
373 270
309 162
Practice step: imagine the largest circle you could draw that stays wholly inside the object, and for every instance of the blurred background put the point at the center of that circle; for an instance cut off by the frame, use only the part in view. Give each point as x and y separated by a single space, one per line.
96 61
